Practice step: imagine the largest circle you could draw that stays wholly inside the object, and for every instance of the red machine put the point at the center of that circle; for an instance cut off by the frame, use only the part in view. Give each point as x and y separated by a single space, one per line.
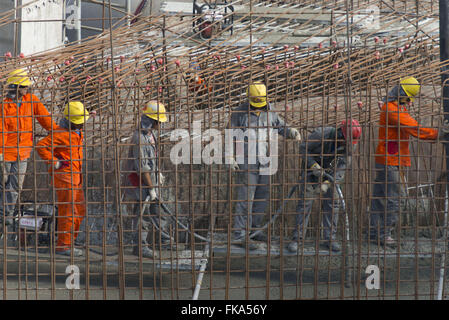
212 18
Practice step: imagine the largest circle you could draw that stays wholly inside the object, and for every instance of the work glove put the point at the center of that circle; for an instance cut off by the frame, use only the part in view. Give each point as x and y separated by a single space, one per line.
442 133
61 164
161 179
317 171
325 186
310 190
234 165
294 134
153 194
313 190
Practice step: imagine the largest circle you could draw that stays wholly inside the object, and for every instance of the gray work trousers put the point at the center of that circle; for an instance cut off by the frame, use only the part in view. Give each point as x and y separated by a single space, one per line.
385 202
329 204
145 222
252 199
12 175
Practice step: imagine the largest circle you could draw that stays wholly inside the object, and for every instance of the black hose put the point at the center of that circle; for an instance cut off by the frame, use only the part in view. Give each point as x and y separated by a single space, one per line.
166 209
279 210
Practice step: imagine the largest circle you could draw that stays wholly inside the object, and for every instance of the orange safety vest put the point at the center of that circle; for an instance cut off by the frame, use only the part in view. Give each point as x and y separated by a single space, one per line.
16 126
395 128
66 146
198 84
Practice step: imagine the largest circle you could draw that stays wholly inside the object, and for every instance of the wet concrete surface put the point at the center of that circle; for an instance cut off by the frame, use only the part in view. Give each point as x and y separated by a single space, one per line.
30 274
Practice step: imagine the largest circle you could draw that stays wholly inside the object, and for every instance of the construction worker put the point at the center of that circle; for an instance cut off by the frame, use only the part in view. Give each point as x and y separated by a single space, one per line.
325 154
19 108
63 149
145 178
256 118
195 82
392 153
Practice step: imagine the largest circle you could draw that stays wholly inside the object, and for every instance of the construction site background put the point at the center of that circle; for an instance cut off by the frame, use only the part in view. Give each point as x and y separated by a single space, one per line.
314 78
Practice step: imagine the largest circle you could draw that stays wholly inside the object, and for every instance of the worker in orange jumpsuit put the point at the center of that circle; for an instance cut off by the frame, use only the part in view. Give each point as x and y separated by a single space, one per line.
396 126
196 82
63 149
19 108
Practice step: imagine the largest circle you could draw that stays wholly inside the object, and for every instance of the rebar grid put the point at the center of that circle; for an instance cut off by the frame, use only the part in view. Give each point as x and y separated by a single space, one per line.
314 79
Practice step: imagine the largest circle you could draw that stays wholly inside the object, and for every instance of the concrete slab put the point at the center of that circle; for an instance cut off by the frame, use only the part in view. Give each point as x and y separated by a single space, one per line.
15 260
409 248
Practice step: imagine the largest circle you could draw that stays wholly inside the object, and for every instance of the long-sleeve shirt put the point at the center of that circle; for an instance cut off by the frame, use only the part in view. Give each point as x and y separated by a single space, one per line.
16 126
143 156
395 128
66 146
321 147
255 132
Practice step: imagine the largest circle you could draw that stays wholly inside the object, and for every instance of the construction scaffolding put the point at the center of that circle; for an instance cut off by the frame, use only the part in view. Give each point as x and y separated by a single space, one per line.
322 62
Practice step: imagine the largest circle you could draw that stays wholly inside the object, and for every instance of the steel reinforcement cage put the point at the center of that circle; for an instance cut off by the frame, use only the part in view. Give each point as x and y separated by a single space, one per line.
314 79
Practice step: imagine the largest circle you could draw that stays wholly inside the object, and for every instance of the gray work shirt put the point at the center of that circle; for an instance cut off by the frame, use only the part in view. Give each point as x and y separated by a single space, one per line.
257 134
142 155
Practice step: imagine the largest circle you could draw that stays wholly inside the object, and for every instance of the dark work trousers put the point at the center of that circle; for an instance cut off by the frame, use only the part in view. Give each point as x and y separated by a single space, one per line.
329 204
385 202
144 223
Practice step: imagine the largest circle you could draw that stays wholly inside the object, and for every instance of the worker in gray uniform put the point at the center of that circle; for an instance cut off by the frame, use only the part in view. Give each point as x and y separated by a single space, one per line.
145 177
324 151
253 124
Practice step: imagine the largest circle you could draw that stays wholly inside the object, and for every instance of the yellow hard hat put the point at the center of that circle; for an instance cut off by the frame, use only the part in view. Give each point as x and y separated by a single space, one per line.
257 94
155 111
19 77
75 112
410 86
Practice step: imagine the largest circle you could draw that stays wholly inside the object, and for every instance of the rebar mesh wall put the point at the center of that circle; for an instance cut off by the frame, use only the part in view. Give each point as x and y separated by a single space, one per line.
314 79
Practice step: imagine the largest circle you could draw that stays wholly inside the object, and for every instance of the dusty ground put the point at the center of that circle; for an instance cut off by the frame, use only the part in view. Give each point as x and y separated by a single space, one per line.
235 276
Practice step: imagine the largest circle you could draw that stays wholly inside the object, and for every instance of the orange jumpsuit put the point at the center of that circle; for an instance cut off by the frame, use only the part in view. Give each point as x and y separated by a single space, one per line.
66 146
16 126
395 128
197 84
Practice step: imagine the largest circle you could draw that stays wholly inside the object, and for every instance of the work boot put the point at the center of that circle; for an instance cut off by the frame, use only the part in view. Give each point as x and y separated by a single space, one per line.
171 245
8 219
388 242
68 252
293 246
261 236
333 246
241 242
146 252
